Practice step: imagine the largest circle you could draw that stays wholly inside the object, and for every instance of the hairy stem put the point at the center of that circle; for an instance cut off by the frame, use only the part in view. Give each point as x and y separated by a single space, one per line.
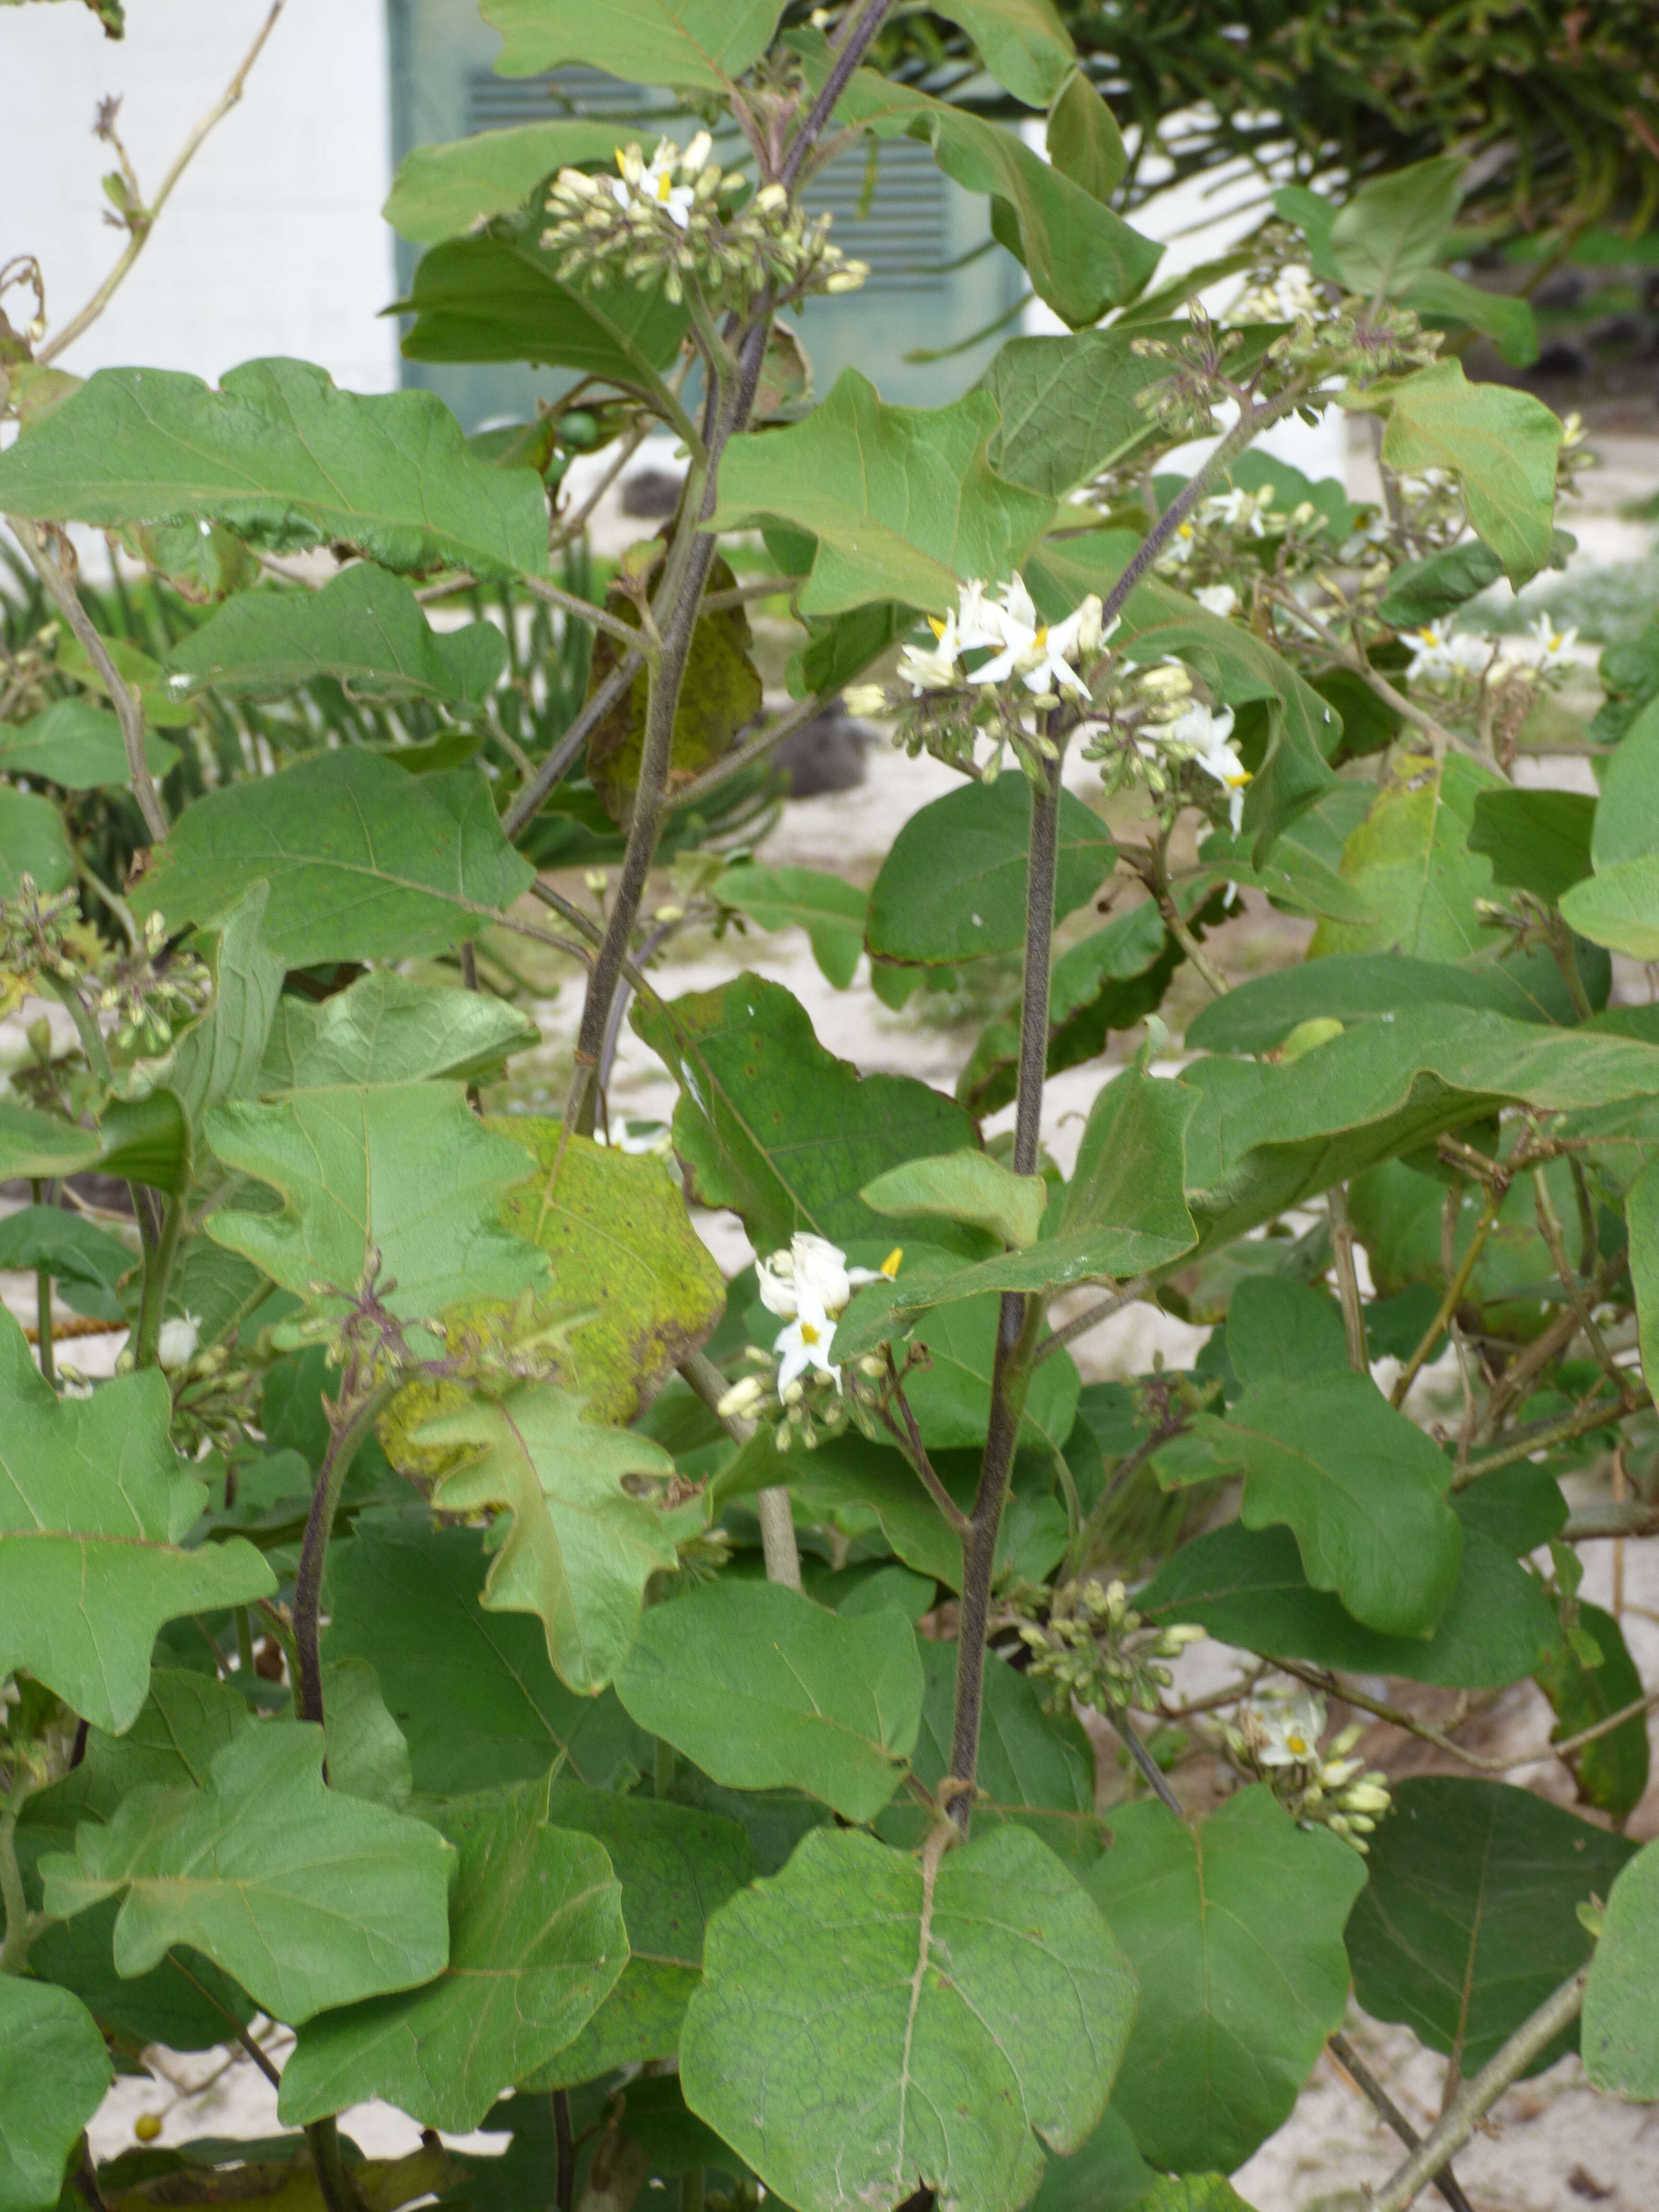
349 1430
1018 1318
855 46
564 754
159 1260
1458 2123
129 713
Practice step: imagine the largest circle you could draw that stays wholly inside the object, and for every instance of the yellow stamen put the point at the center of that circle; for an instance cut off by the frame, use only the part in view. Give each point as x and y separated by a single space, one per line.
1298 1745
890 1266
1042 637
808 1334
1238 783
938 627
664 186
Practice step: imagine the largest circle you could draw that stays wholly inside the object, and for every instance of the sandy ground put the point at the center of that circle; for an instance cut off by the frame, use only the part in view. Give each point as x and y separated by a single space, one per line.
1554 2145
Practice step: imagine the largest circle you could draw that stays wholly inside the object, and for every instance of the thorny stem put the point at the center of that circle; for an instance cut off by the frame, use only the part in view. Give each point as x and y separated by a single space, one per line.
777 1522
1351 2063
348 1432
186 154
1018 1318
1458 2123
129 713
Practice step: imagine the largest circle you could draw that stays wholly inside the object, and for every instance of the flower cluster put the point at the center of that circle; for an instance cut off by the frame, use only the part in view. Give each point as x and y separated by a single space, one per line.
1440 654
807 1285
1277 1740
1094 1648
149 989
1161 724
684 220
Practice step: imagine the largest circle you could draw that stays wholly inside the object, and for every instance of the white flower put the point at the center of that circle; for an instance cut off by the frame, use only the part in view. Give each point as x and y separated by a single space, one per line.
1236 507
654 184
1286 1732
1554 646
865 699
180 1338
1200 735
805 1343
1217 598
1040 654
812 1272
936 671
651 1138
1439 653
1293 293
1179 550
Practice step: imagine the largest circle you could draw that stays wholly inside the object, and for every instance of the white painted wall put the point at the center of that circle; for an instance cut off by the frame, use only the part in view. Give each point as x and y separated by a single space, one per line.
271 243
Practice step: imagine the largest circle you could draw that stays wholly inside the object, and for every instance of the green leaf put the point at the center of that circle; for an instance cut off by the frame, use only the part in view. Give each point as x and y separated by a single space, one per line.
94 1506
579 1549
440 191
1035 1768
218 1057
1619 2031
1248 1587
771 1125
86 1262
1313 216
1501 444
79 747
285 460
498 297
951 1397
400 1171
1362 1488
765 1690
54 2070
32 843
1642 1216
1469 1918
675 1867
1420 592
139 672
1263 1136
700 44
1068 403
1410 858
1258 1014
902 501
33 1144
1106 2174
1393 227
1083 140
1023 44
367 1756
1618 907
830 909
952 887
1282 1331
968 1186
1192 2192
1238 1990
1125 1208
624 1254
1080 257
471 1691
535 1945
1439 297
1611 1772
388 1028
364 862
1539 840
365 629
310 1898
955 2025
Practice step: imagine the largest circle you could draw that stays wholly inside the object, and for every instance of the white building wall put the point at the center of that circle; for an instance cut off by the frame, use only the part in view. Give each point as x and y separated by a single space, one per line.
272 242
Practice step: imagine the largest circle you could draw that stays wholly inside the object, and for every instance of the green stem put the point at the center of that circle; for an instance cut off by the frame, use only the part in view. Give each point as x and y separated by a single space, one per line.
1452 1300
21 1926
158 1273
42 1297
245 1641
333 2183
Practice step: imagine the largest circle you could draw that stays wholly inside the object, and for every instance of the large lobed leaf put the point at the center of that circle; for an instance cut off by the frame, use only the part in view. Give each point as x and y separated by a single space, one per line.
309 1897
869 2023
283 458
1234 1926
535 1945
400 1171
54 2070
766 1689
699 44
902 501
94 1504
364 861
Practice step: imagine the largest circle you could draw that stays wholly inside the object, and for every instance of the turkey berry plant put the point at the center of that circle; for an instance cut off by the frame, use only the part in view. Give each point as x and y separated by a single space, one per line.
470 1654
